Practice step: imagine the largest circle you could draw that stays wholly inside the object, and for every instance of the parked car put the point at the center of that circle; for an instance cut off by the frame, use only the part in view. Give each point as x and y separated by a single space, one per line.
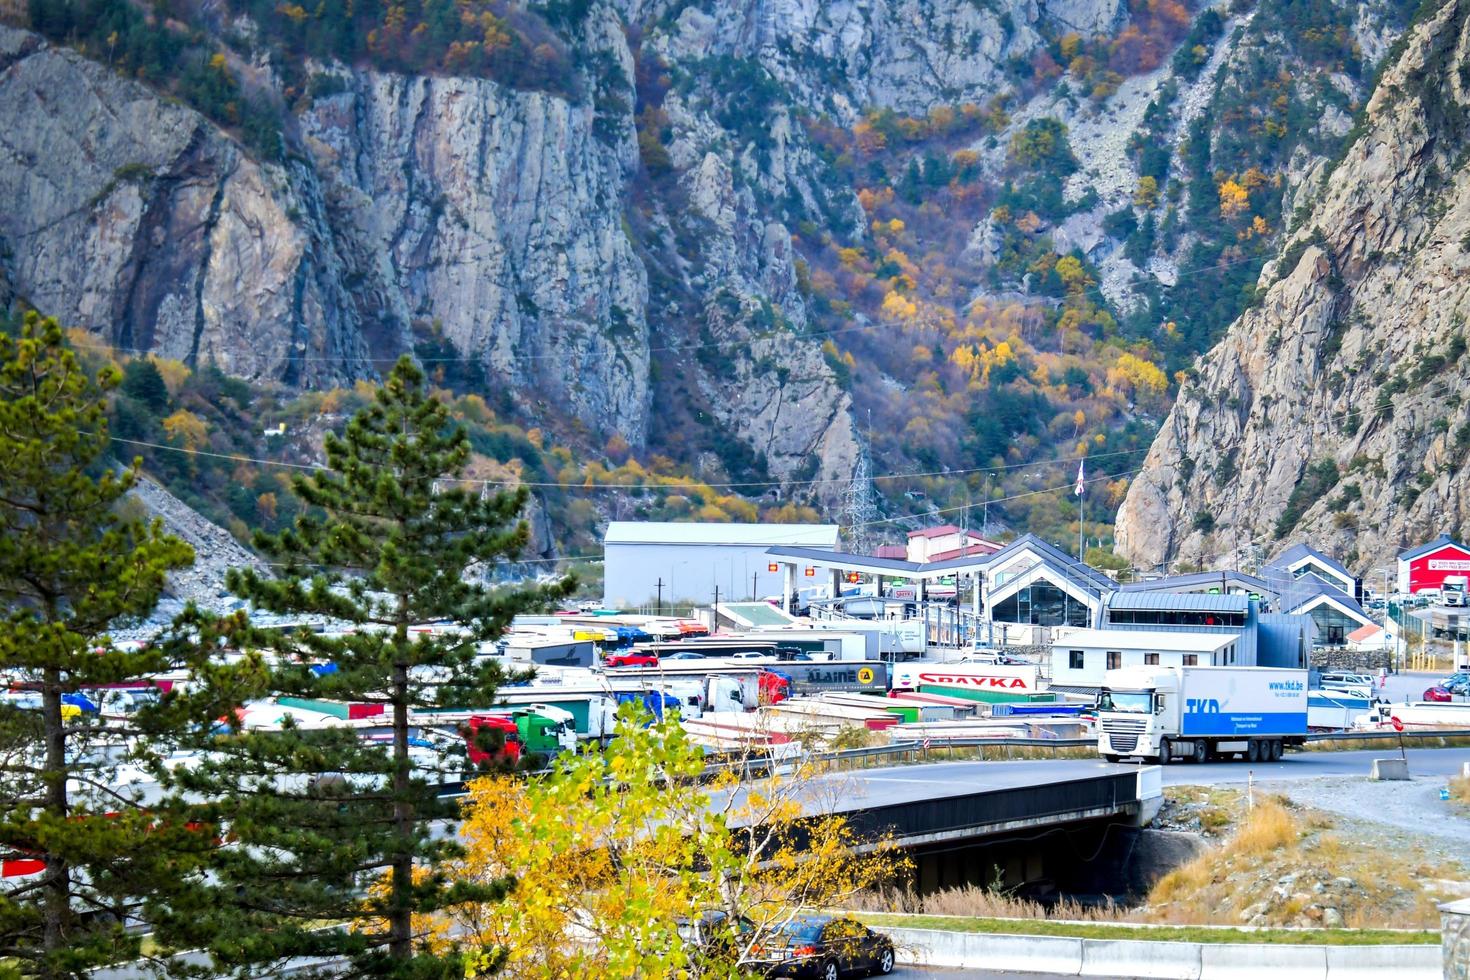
630 658
1457 683
684 655
824 948
714 940
1438 694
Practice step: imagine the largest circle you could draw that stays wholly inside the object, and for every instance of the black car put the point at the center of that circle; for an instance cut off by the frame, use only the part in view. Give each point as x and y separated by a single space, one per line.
824 947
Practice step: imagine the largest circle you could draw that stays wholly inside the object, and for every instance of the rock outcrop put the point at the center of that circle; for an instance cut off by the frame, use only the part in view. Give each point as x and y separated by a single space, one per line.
1334 410
910 55
137 218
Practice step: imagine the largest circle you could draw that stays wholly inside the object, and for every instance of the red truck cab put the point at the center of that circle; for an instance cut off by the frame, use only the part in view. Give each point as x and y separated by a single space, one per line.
510 750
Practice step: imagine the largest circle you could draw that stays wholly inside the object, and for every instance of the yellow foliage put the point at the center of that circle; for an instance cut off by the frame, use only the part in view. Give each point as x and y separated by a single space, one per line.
1073 276
1070 44
921 354
187 427
174 373
897 307
604 858
1234 199
850 257
1146 194
1143 378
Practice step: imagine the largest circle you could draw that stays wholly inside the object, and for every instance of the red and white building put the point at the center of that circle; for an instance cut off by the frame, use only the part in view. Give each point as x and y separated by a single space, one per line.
1426 566
945 542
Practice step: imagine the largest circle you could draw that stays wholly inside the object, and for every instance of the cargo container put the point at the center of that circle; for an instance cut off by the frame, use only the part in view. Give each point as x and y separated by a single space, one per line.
1199 713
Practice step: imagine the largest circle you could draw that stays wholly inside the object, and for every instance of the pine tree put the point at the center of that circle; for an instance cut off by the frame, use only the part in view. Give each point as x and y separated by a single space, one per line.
328 826
72 566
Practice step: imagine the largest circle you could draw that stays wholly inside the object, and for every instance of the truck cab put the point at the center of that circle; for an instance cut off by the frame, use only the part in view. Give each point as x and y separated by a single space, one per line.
1131 711
1453 589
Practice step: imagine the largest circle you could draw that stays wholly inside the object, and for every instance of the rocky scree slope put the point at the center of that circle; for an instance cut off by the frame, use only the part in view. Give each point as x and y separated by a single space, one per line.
1334 410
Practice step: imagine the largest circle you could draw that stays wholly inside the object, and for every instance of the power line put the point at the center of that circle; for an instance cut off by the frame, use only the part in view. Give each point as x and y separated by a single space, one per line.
241 458
1014 496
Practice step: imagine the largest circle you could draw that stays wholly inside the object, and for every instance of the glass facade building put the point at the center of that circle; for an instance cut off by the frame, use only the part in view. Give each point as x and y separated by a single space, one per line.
1041 604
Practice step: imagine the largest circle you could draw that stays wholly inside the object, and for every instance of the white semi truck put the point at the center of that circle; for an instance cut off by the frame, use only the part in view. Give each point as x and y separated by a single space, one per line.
1200 713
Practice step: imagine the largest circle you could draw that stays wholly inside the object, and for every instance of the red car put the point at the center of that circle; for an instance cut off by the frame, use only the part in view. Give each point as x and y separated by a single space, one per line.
630 658
1438 694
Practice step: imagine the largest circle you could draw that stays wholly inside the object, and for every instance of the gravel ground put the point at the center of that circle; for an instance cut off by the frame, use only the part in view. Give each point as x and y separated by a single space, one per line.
1389 811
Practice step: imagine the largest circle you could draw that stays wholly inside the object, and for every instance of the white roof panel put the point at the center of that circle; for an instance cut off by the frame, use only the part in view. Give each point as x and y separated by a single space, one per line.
758 535
1157 640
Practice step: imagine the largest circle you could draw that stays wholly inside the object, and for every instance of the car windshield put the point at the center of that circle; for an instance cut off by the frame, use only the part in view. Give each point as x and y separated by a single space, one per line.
1134 702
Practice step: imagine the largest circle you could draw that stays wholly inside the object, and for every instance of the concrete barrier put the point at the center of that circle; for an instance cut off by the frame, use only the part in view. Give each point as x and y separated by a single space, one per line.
1392 769
994 951
1140 958
1063 956
1247 961
1378 962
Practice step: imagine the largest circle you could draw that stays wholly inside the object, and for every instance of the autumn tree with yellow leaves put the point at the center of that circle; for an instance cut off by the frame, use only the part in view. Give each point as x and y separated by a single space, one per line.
616 852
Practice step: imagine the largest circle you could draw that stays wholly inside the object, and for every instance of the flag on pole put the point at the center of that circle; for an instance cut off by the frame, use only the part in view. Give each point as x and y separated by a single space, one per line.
1078 489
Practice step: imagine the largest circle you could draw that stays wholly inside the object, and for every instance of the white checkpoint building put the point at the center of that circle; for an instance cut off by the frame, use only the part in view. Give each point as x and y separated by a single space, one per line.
643 560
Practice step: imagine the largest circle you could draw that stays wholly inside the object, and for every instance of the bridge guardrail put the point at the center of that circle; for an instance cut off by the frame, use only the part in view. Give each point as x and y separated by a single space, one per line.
762 763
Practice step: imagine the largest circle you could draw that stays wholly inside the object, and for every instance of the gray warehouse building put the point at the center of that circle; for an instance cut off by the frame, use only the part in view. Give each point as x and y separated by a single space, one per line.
642 559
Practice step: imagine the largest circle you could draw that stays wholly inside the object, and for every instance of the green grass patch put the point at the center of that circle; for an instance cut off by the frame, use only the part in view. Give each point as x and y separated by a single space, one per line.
1162 934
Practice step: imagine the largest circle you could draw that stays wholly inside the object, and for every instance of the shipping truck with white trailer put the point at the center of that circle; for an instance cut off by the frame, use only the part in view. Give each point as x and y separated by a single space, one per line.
1201 713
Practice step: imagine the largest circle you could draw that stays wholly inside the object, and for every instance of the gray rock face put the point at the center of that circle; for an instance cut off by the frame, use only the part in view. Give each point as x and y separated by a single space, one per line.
493 218
843 56
136 218
1356 356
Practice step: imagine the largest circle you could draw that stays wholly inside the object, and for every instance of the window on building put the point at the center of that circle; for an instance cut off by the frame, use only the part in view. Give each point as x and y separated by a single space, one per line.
1191 660
1075 659
1152 659
1115 660
1042 604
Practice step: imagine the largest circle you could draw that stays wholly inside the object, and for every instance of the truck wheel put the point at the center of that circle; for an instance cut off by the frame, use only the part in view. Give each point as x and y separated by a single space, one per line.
1253 751
1111 757
1166 752
1201 751
1276 750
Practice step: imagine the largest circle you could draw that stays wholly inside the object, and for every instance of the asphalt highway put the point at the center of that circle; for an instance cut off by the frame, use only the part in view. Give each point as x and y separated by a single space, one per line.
947 778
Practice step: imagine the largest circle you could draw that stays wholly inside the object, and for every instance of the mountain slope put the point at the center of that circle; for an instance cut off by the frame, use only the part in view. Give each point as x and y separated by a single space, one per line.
1335 409
767 244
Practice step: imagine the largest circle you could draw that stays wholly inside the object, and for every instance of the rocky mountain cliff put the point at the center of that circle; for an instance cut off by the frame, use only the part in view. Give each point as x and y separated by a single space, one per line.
749 242
1334 410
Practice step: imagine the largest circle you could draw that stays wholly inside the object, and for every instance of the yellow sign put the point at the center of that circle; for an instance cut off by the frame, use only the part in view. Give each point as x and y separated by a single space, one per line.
865 675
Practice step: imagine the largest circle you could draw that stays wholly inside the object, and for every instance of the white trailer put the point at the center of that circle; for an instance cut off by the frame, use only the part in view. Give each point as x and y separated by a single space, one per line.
1197 713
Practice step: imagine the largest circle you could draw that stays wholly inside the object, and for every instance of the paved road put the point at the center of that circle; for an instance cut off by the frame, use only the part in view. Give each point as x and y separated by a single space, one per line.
947 778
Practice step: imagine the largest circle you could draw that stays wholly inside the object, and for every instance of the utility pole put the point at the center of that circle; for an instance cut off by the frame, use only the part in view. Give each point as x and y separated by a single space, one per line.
985 511
753 577
660 586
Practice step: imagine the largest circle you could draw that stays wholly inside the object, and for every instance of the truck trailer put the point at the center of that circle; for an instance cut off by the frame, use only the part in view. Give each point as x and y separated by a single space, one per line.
1200 713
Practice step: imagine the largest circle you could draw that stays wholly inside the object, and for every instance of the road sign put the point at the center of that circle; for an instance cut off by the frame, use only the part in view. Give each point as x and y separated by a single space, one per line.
1398 726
